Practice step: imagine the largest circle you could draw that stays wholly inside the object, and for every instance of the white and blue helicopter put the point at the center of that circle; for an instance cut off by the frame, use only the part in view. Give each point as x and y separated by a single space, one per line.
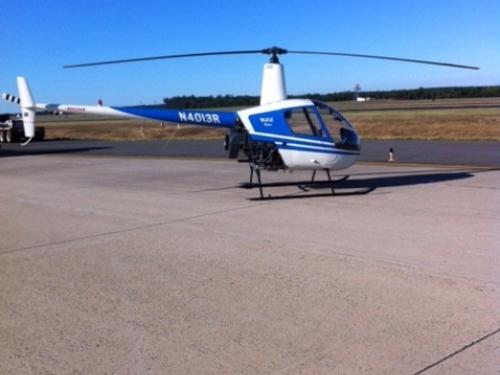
279 134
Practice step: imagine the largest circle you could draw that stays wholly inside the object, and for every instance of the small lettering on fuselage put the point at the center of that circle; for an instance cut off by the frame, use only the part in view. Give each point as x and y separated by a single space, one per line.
75 109
198 117
266 121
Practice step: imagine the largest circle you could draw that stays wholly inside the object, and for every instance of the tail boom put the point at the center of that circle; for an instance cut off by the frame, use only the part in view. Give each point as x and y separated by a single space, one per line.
216 119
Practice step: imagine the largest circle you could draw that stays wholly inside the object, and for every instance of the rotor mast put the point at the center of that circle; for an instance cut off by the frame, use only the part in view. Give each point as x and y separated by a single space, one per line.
273 87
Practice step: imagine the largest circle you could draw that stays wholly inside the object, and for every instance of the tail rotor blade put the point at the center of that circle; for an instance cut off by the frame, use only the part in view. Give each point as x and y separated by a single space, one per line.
11 98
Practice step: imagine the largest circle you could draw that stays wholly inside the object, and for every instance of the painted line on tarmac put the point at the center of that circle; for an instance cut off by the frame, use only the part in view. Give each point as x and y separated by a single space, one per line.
475 342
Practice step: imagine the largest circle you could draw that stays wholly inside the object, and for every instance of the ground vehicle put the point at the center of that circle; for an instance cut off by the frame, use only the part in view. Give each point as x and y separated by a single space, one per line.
13 131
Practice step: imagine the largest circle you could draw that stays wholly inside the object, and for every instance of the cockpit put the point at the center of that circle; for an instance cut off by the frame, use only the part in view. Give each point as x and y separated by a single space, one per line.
303 119
322 121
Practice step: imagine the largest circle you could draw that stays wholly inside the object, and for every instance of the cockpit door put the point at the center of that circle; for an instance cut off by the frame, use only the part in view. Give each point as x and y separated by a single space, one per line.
305 122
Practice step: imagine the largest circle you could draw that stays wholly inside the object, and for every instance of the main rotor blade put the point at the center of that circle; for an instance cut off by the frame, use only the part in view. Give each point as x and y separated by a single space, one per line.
386 58
162 57
274 51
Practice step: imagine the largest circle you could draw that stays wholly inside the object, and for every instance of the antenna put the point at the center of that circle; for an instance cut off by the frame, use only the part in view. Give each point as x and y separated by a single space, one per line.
357 89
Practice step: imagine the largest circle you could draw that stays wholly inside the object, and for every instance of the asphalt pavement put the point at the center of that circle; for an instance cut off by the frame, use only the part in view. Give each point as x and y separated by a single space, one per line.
130 265
485 154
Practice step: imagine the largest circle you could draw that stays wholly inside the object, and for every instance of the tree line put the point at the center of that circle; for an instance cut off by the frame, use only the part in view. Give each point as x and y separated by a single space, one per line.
409 94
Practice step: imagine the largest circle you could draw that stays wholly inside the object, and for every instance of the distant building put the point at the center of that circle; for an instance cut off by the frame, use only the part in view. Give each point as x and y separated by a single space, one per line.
363 98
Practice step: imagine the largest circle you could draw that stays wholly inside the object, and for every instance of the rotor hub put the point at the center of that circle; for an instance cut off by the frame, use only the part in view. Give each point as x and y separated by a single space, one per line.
274 52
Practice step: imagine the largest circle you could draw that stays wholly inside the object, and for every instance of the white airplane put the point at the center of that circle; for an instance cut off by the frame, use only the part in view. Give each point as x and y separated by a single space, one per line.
280 133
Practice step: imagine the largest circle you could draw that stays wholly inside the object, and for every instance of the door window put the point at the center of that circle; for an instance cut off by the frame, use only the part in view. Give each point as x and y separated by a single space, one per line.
304 121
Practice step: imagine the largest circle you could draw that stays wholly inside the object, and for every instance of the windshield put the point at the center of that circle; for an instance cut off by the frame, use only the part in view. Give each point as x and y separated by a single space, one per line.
342 132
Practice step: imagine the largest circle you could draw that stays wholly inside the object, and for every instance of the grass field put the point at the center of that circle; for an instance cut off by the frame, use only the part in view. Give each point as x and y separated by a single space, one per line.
446 124
454 119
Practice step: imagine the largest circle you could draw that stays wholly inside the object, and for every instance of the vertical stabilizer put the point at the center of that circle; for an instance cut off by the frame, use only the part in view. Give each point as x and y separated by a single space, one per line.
27 107
273 84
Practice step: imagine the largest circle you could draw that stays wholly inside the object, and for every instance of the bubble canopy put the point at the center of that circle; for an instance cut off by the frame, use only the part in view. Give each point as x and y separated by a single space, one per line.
322 121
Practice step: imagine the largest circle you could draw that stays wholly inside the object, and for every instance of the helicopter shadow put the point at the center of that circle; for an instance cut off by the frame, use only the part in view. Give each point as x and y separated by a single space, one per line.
358 185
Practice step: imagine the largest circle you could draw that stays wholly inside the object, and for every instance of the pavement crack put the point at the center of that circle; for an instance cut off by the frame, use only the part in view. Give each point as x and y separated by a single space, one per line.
456 352
128 230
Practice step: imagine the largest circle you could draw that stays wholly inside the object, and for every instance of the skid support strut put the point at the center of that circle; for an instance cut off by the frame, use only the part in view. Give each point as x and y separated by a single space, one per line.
314 175
257 172
255 169
251 173
330 180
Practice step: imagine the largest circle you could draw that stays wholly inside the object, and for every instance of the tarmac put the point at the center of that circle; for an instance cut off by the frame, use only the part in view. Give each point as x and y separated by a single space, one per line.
477 153
123 265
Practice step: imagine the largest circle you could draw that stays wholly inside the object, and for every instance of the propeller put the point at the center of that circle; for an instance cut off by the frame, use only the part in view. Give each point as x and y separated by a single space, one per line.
274 52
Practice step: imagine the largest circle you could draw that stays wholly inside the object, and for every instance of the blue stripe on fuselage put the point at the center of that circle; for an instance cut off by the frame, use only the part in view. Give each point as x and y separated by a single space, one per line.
200 117
308 145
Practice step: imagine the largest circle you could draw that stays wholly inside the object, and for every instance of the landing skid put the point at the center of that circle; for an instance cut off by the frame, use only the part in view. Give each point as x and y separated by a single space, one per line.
315 195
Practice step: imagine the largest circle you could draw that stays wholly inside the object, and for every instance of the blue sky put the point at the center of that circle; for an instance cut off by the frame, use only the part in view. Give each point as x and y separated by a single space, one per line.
38 37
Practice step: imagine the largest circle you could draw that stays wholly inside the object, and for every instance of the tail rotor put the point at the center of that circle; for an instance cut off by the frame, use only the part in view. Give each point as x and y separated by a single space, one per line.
28 107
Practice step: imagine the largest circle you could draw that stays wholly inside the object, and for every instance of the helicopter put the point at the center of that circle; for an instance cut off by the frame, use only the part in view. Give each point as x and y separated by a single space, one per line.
278 134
